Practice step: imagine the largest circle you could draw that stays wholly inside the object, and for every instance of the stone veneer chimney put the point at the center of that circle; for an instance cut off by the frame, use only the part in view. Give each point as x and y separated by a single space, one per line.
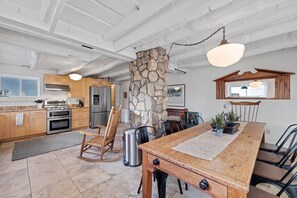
148 88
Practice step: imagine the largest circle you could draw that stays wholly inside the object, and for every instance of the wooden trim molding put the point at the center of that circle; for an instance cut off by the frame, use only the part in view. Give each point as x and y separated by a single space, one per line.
282 82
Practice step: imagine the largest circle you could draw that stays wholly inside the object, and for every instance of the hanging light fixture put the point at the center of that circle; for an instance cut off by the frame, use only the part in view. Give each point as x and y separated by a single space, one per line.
244 87
255 84
75 76
224 55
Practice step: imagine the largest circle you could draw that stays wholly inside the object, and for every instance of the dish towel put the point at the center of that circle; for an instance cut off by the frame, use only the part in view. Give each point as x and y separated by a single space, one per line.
19 119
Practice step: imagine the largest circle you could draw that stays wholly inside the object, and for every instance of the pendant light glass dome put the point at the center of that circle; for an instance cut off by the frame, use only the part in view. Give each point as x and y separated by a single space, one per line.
225 54
255 84
75 76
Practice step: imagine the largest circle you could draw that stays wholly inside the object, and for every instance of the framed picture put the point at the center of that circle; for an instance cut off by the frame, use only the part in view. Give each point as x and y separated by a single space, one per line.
176 95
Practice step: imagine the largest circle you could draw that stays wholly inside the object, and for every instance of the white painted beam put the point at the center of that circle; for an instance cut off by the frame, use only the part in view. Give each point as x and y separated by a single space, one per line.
122 78
72 68
174 13
57 12
102 68
117 73
147 8
222 16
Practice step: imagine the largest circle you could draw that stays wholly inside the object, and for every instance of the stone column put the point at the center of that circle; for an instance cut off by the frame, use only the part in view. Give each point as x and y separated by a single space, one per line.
148 88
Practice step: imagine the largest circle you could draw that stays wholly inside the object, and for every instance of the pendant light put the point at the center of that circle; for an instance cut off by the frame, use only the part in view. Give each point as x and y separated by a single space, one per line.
75 76
255 84
224 55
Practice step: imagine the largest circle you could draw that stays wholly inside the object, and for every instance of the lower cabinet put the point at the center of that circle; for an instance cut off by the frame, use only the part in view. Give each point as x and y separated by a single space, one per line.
80 117
4 126
22 130
34 122
37 122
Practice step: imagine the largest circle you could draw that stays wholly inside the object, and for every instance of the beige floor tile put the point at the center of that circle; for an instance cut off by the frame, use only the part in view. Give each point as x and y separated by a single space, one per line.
61 189
15 184
113 168
44 166
77 196
78 166
90 178
109 188
129 179
9 166
47 178
40 159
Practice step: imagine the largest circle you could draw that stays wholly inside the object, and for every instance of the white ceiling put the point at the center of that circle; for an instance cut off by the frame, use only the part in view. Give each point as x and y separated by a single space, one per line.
48 34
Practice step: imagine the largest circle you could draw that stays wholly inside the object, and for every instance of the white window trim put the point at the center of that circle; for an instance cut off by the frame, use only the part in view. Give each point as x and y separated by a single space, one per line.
25 78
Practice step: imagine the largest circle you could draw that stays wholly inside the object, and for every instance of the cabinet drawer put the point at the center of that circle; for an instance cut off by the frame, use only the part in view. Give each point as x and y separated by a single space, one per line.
215 189
80 116
80 110
80 123
37 113
25 113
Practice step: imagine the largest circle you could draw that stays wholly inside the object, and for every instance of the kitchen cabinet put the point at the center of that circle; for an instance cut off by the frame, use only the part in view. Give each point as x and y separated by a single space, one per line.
4 126
80 117
37 122
77 88
56 79
23 130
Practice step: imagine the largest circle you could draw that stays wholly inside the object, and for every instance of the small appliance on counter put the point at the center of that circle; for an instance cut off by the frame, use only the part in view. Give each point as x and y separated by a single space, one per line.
81 103
58 116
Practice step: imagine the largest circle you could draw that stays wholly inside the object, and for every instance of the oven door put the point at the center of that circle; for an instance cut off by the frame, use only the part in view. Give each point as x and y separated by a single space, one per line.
58 125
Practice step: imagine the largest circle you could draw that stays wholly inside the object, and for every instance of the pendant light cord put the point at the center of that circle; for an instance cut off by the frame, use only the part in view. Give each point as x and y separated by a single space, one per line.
193 44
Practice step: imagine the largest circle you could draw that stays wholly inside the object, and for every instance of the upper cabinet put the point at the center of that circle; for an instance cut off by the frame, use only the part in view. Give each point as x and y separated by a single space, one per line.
77 88
263 84
56 79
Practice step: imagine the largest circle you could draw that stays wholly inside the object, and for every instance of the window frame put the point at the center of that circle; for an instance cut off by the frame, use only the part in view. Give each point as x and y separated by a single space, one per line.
20 83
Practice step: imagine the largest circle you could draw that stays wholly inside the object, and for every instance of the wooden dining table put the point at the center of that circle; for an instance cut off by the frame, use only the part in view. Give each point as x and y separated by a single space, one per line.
227 175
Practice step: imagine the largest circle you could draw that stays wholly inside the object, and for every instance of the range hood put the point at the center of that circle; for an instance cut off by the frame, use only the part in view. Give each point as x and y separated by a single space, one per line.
52 87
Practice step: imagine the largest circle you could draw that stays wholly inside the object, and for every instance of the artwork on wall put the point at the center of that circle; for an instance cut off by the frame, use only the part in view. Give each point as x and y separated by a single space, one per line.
176 95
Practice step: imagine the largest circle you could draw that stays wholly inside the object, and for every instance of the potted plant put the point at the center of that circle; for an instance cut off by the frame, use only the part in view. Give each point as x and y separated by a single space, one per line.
231 125
218 124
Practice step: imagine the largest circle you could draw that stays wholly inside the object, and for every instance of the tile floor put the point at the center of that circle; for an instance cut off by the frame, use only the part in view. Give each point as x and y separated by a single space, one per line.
61 174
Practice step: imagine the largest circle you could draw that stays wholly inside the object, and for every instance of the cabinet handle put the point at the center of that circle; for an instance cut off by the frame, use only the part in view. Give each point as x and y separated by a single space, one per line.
156 161
203 184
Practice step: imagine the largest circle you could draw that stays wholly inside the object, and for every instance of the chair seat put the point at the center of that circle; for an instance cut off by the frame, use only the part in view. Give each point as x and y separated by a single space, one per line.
271 172
258 193
269 157
271 147
95 141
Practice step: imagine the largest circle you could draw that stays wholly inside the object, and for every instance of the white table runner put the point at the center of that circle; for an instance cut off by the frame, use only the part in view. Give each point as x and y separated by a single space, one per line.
207 145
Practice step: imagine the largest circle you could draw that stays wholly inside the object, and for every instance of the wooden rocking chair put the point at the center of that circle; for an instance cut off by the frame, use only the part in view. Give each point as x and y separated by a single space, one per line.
106 141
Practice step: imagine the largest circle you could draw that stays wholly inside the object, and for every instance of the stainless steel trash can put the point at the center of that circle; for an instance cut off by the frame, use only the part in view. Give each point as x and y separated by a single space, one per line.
132 155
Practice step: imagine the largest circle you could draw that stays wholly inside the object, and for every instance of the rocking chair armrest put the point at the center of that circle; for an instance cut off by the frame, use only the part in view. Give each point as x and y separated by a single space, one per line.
88 133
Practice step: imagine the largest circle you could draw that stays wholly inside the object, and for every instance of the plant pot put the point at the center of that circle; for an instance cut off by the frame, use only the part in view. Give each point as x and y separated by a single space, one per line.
231 128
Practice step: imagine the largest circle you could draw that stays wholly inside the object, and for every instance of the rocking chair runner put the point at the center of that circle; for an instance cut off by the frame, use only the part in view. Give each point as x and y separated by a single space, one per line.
106 141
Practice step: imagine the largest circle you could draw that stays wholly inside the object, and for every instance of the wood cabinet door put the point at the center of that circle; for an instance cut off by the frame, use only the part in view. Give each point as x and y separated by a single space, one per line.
51 79
64 80
77 89
80 118
37 122
18 131
4 126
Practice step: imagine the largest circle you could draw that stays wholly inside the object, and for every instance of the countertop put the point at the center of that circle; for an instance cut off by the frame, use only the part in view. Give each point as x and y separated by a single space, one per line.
19 108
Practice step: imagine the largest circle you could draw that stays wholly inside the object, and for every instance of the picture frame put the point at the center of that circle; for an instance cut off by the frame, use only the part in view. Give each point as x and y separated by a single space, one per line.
176 95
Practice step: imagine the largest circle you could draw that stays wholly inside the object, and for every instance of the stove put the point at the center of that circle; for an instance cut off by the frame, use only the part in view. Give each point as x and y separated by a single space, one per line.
58 116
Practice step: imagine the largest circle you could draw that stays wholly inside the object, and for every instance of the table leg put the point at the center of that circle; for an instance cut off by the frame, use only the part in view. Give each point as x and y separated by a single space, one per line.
236 193
146 177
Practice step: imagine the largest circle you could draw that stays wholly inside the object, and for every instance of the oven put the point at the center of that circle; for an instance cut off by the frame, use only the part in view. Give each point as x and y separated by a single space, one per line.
58 120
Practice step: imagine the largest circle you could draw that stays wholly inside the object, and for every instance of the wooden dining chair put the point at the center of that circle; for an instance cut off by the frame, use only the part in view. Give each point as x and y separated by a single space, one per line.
247 111
104 142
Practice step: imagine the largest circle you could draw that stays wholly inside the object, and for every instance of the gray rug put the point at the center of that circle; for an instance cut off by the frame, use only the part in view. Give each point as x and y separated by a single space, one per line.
45 144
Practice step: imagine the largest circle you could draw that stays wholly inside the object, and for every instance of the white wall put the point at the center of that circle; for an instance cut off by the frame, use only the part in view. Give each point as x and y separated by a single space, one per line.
24 101
201 90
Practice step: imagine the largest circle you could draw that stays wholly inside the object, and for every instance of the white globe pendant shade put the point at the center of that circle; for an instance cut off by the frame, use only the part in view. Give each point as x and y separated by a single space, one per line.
75 76
225 54
255 84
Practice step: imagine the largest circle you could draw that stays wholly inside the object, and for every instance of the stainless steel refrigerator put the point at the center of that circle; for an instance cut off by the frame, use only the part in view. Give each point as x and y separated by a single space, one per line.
100 105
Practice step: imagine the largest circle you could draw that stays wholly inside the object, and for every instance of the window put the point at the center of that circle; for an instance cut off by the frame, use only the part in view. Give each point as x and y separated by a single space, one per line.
18 86
243 89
